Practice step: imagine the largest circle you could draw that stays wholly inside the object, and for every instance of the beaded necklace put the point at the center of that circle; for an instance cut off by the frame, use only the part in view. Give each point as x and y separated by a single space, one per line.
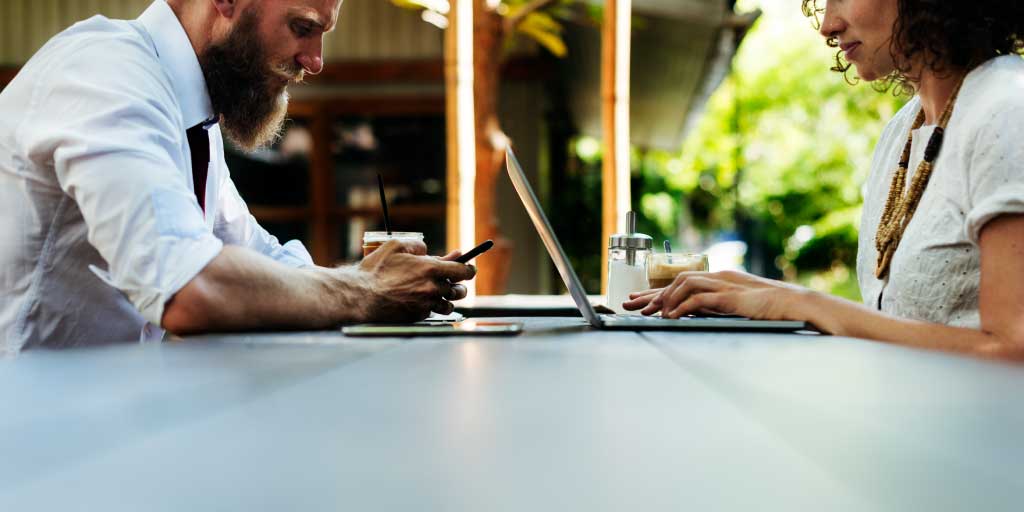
900 207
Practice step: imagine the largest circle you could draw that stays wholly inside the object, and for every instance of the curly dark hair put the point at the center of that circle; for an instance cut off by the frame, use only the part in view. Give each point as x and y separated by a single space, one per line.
948 35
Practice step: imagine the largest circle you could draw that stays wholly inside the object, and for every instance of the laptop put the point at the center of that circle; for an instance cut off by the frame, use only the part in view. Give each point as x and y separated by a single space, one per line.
616 321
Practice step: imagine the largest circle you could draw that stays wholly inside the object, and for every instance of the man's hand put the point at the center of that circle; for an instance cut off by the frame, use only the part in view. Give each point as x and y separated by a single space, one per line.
730 293
405 285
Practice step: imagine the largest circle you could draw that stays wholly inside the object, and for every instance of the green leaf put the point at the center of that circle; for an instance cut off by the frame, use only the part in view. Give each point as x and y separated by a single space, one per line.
413 4
546 31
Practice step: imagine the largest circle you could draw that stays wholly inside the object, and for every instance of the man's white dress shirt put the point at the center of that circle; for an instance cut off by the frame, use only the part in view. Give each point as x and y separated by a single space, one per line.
100 222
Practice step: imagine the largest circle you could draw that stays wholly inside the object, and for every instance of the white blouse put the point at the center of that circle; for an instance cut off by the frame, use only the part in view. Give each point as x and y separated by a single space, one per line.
979 175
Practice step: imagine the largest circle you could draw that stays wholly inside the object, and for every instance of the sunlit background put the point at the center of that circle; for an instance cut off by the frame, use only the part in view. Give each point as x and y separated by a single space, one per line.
769 178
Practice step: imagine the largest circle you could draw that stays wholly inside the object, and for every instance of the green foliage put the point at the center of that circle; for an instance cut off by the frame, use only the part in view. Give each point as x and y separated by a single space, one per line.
543 28
420 4
540 25
784 143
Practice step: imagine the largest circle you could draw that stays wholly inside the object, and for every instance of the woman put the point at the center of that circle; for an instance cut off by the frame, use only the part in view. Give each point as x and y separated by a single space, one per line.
941 250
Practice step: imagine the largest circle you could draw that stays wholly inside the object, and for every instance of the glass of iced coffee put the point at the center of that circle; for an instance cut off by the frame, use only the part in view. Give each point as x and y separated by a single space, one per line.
374 239
662 268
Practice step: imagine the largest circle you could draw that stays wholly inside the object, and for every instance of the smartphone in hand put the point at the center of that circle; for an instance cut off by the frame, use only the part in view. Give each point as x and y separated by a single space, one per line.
476 251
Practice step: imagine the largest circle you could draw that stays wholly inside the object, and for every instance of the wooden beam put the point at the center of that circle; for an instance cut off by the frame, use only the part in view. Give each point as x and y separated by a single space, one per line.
323 232
451 84
615 193
461 130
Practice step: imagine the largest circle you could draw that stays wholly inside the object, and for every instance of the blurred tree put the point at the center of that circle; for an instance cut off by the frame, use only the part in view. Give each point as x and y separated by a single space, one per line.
779 156
496 22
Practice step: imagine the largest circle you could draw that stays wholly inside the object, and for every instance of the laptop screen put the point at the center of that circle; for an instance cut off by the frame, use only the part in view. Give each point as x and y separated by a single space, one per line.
540 221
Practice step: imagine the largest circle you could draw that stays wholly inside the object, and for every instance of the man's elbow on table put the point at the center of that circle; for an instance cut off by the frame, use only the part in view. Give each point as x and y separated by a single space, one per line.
189 310
216 298
243 290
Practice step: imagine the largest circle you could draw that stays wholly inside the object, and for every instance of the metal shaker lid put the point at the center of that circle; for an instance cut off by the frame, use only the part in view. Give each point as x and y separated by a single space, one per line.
632 239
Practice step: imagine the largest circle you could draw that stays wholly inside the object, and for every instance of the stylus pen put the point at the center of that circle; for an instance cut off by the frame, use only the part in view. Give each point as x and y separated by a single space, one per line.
476 251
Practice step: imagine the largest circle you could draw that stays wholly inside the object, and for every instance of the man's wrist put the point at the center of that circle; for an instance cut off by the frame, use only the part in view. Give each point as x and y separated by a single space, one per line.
347 292
363 294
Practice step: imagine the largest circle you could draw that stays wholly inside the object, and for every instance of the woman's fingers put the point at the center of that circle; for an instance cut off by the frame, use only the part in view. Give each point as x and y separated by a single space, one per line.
644 300
640 300
654 304
668 298
700 302
645 293
671 299
692 285
672 290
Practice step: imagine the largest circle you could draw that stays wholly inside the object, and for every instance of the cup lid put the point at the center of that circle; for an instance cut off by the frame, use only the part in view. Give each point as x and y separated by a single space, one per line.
383 236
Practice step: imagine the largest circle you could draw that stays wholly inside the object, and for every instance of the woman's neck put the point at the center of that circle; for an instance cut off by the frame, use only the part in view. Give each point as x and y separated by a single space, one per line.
934 91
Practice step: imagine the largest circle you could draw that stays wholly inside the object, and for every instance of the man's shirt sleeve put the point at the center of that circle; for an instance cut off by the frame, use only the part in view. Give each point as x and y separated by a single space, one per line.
236 226
112 128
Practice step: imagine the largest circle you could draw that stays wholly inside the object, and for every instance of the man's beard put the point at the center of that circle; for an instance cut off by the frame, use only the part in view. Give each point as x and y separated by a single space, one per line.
247 92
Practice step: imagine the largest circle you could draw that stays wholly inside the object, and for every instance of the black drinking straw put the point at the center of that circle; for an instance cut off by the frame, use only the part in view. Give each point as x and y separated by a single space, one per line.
384 204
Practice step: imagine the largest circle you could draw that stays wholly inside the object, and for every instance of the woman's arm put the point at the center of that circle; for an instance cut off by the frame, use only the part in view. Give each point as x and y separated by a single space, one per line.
1001 302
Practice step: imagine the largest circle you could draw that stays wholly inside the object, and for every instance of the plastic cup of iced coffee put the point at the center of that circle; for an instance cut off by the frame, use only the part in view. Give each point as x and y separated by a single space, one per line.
374 239
663 268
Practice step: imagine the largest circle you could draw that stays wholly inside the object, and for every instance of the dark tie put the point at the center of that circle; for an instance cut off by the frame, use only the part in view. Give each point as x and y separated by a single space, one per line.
199 146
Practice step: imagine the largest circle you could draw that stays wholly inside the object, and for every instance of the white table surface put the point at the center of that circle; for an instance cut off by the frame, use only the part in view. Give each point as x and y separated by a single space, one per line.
560 418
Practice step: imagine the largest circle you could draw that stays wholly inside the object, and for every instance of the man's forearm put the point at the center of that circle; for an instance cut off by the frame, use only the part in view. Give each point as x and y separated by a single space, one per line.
242 290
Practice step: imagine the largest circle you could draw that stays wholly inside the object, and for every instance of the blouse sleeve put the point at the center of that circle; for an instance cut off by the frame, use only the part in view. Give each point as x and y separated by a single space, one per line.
996 170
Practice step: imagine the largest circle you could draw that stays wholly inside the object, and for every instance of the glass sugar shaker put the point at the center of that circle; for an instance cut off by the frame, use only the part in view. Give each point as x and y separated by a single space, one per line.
627 264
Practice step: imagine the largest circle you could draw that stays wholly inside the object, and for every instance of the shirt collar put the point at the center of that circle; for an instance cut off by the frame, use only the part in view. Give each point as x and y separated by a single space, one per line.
178 58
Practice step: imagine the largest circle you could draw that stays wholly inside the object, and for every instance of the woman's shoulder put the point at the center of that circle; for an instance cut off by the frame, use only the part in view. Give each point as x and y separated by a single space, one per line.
999 69
995 90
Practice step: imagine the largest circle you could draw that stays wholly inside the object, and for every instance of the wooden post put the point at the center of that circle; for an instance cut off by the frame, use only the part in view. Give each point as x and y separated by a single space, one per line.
615 193
488 44
451 80
461 130
323 229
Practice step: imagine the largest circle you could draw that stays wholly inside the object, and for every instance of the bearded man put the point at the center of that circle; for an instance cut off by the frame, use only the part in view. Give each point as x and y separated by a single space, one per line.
118 213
